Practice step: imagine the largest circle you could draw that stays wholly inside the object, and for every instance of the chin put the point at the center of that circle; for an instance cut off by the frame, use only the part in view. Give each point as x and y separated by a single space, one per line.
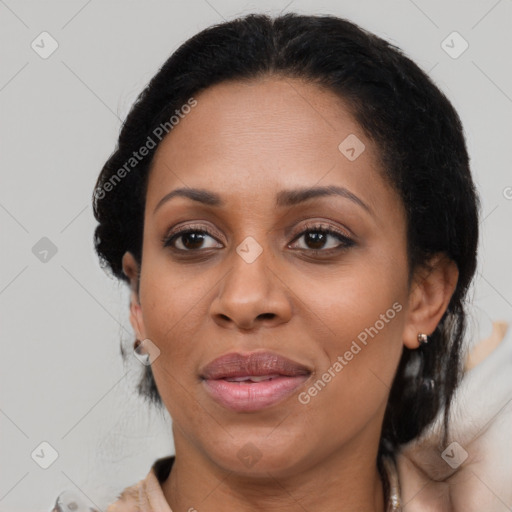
258 456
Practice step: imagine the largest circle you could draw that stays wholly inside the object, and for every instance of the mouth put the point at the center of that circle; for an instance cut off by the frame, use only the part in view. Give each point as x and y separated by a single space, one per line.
252 382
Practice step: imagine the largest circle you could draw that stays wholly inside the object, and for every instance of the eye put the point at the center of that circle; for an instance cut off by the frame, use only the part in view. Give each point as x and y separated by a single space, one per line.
190 238
318 238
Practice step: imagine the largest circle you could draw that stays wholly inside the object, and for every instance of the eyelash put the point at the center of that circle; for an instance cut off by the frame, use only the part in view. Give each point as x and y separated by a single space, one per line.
346 242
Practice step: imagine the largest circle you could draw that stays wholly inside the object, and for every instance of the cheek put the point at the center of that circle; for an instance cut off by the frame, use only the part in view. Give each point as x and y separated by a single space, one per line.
364 311
171 318
353 387
362 301
172 303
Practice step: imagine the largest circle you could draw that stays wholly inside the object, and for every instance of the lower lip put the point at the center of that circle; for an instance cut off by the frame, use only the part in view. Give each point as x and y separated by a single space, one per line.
252 396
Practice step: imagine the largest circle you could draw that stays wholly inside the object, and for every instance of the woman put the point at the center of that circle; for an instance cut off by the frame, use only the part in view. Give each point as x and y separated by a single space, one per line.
292 206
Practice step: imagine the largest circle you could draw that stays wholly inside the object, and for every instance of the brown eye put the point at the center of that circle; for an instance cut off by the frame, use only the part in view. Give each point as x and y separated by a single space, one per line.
321 239
189 240
315 239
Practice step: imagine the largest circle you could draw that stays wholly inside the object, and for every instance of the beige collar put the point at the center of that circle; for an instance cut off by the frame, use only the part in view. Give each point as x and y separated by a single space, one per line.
148 496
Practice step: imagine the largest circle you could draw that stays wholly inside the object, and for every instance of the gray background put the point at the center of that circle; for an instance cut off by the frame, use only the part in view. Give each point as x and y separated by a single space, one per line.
62 377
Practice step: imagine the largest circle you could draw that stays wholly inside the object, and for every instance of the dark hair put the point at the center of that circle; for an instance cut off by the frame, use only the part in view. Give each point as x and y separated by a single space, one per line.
422 149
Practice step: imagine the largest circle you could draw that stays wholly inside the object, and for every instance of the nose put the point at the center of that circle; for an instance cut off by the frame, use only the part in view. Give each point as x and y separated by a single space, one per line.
251 295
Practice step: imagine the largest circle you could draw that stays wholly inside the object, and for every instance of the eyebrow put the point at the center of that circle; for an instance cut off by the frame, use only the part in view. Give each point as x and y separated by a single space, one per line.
283 198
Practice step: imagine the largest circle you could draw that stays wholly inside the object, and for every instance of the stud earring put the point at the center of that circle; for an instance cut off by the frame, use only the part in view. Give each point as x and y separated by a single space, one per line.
422 338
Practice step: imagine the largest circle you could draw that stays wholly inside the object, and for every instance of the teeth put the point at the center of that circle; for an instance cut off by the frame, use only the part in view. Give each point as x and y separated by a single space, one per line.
252 378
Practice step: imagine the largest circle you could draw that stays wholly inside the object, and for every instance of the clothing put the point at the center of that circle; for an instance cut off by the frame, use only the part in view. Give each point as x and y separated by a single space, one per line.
147 495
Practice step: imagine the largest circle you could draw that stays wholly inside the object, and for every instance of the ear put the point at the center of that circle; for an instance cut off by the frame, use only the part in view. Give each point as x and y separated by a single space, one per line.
432 288
132 271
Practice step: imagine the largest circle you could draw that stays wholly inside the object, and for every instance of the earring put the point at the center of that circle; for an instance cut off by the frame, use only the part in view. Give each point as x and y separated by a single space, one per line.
422 338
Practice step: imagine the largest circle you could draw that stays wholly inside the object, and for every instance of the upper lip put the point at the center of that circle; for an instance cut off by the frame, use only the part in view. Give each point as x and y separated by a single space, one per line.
235 364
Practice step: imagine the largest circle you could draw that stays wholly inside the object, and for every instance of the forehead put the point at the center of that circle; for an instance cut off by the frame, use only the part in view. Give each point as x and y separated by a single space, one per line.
258 136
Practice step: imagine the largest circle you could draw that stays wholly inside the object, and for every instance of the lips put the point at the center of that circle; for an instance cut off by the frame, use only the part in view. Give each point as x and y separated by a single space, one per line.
253 381
256 364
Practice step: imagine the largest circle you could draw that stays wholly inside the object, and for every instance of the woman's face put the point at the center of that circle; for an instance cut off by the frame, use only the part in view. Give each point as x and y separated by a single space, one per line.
266 277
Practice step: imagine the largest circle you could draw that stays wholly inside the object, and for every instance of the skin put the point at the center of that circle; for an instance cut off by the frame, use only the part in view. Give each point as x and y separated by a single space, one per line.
246 142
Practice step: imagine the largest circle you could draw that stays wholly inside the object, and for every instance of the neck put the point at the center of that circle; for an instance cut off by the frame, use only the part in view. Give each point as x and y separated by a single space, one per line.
346 480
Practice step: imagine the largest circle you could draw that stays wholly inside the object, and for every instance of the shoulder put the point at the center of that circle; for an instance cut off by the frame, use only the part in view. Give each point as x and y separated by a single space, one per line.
444 472
146 495
129 500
